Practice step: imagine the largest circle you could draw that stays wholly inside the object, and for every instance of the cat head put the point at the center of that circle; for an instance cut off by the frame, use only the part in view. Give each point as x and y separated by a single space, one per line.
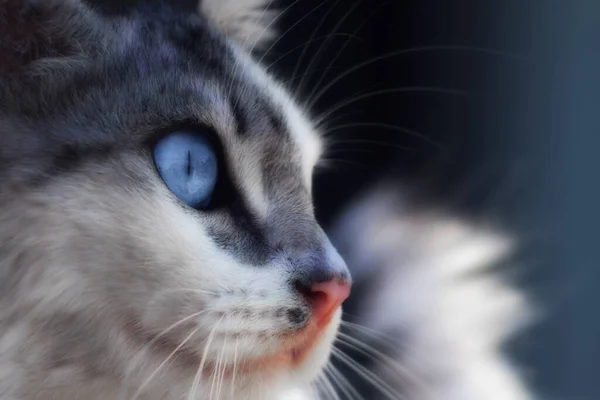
157 229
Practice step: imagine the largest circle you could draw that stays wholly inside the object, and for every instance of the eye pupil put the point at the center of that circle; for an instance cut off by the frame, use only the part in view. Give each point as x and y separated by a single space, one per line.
187 163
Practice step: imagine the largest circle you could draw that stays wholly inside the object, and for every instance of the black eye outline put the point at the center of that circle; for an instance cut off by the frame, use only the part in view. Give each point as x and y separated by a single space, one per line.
224 194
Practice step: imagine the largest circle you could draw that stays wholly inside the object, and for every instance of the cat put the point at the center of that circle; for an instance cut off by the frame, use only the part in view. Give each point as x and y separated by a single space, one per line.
157 236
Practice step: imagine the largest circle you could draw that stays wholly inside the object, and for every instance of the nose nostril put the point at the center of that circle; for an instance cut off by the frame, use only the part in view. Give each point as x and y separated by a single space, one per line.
324 298
317 299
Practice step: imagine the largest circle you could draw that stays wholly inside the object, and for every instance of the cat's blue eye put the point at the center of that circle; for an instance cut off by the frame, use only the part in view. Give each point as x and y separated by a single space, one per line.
187 163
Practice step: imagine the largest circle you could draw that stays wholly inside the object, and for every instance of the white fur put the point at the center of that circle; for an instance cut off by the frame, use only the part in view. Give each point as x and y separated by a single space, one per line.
434 290
110 257
249 22
171 254
174 252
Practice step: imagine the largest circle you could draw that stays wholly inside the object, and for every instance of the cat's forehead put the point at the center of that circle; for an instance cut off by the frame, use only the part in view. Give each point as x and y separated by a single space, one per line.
158 73
212 79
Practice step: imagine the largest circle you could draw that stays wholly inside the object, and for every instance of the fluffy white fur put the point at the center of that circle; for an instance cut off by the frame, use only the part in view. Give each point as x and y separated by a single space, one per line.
434 288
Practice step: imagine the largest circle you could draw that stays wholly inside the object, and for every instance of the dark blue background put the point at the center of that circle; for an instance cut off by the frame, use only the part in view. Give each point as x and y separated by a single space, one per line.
520 147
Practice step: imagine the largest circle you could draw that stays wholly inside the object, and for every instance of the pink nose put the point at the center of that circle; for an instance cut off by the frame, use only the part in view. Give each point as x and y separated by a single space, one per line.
325 298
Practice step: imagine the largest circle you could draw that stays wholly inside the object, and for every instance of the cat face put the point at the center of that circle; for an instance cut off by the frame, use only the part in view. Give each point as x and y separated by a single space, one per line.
108 273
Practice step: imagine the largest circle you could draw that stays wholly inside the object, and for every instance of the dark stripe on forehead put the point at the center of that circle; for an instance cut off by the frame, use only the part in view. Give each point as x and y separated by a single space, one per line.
276 119
254 111
239 115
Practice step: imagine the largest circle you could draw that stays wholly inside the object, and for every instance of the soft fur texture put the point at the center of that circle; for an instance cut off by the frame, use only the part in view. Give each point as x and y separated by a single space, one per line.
433 300
110 287
250 22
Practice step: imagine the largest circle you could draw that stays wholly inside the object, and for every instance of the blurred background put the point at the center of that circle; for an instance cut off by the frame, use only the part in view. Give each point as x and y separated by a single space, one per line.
490 108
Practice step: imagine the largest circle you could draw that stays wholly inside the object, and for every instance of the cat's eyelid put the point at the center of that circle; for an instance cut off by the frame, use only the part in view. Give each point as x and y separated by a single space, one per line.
164 129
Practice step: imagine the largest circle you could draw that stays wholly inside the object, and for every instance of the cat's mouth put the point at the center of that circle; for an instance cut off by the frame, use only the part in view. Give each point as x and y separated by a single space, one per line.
295 351
295 348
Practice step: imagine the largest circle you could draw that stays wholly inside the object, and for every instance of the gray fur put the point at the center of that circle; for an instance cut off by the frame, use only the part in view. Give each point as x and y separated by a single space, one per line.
97 257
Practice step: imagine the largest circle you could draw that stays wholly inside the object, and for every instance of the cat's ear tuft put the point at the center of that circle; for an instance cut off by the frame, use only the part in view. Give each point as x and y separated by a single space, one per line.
32 31
249 22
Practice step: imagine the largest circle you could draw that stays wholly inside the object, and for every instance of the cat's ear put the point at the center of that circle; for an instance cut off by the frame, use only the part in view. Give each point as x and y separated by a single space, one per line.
249 22
34 31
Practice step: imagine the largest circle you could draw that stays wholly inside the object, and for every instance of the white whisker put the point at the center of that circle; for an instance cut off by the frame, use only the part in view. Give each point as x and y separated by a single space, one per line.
343 383
323 46
135 361
221 377
198 376
405 52
215 374
291 27
370 377
401 129
339 53
175 290
232 386
374 353
412 89
304 45
314 32
162 364
377 335
328 387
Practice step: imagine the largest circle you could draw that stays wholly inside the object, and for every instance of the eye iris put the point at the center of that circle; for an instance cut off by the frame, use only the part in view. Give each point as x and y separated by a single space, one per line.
187 163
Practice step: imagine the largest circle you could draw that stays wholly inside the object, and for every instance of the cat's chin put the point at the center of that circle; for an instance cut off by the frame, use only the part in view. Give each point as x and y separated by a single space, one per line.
300 358
314 358
302 355
293 369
